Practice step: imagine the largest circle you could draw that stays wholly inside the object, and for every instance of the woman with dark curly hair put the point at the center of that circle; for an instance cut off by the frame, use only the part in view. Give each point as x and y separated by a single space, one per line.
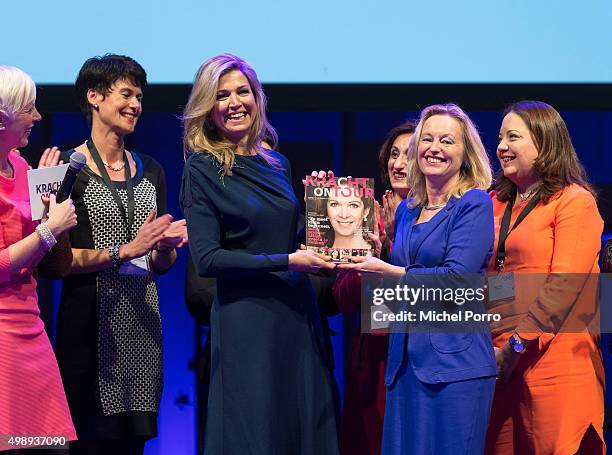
392 162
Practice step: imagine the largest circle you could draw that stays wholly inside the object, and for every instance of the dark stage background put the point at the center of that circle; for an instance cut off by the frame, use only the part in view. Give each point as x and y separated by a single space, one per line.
338 127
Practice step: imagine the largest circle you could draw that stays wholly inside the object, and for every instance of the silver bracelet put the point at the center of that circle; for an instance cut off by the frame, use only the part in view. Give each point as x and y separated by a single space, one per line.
46 236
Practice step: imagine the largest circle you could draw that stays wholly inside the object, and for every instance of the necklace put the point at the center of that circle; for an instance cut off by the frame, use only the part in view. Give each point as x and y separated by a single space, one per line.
113 168
434 207
524 196
116 169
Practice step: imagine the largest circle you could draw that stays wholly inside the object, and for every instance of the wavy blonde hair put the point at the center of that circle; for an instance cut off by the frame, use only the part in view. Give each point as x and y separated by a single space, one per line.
476 168
199 132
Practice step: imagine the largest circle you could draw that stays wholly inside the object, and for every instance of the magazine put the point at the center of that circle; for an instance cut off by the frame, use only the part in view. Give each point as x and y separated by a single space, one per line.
339 216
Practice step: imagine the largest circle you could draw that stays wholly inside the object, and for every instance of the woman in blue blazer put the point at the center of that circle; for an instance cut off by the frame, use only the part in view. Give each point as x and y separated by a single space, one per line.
440 376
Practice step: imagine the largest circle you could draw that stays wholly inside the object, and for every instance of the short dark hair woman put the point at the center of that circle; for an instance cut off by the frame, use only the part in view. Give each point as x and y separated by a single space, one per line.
109 327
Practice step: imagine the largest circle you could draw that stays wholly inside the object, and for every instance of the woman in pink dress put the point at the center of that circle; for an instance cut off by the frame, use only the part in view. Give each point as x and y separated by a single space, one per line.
33 408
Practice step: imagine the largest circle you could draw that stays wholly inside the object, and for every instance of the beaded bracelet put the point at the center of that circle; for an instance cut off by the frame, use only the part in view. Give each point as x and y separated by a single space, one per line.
46 236
113 252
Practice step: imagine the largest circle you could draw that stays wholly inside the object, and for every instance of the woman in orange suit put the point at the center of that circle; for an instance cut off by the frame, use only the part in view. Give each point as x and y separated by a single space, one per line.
549 398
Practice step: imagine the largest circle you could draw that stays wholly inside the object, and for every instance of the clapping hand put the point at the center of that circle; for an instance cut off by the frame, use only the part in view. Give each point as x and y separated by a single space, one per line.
151 232
390 203
175 236
50 158
377 237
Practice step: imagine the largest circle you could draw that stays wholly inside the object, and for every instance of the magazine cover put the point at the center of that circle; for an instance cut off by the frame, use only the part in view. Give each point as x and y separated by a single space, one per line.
339 216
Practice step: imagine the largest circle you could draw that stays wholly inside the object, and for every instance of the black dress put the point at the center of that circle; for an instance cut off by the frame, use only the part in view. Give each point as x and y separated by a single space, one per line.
271 386
108 342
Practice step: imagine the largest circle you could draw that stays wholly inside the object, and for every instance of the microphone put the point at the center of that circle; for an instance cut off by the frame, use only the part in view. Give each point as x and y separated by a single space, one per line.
77 161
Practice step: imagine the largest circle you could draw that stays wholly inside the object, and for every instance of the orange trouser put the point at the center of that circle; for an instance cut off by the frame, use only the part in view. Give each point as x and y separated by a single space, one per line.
553 403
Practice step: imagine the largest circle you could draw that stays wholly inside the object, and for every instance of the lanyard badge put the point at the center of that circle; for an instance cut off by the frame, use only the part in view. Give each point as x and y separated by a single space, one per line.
505 230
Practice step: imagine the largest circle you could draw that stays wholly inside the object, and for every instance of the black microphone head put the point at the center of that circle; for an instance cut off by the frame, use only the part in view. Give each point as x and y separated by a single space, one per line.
77 160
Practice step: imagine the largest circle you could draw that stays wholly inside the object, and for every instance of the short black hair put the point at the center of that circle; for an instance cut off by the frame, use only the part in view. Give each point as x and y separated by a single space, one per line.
100 73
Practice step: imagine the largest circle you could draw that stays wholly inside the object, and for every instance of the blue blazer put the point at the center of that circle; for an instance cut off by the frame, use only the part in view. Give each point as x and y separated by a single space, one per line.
457 241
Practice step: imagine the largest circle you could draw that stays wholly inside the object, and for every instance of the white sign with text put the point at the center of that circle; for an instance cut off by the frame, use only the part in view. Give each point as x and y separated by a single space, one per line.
42 182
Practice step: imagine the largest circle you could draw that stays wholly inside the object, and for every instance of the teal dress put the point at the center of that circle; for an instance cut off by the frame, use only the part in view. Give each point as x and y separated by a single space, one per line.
271 384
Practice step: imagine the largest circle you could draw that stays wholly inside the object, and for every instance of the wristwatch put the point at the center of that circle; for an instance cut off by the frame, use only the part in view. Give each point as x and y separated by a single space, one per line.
113 252
516 344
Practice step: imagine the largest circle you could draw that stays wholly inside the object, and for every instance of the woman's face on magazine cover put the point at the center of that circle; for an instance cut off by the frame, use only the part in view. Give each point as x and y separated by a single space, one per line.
346 213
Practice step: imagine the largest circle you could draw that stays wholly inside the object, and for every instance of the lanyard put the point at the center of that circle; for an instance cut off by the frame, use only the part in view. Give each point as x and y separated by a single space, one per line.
504 229
128 218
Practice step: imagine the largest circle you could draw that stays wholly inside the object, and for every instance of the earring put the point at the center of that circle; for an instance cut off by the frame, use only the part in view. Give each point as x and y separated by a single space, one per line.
95 106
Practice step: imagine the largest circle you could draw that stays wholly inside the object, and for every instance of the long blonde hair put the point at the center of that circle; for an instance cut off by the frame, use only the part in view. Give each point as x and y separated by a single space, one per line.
199 132
476 168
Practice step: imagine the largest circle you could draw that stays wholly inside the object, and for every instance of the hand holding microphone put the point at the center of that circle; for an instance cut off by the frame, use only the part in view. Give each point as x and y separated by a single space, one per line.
61 214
